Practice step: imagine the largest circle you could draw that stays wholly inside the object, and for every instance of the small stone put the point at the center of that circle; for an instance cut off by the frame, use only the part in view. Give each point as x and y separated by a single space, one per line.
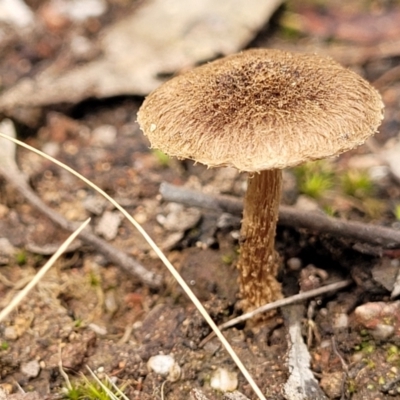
104 135
331 384
294 263
382 332
172 239
381 318
179 218
164 365
94 204
31 369
224 380
385 272
109 224
10 333
341 321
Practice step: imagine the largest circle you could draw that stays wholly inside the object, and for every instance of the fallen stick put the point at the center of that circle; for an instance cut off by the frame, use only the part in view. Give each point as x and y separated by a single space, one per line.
288 216
280 303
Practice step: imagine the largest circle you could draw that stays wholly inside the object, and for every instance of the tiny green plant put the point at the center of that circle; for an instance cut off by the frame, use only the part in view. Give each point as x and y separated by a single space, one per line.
92 389
315 178
227 259
392 353
21 257
357 183
4 345
94 279
162 158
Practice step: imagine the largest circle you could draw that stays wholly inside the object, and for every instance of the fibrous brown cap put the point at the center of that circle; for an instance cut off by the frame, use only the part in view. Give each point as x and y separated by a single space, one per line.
261 109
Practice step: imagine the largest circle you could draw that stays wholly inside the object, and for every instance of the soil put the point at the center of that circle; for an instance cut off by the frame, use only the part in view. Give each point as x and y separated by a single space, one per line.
89 312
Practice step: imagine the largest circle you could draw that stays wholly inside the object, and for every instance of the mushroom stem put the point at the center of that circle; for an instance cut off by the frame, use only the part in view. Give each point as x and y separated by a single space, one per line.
259 262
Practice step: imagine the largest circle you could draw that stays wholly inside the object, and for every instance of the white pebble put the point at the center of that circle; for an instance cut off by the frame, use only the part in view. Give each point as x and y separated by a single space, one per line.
31 369
104 135
224 380
382 332
109 224
341 321
164 365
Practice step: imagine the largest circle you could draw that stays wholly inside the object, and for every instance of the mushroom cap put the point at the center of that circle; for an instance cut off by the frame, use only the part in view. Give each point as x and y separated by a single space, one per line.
261 109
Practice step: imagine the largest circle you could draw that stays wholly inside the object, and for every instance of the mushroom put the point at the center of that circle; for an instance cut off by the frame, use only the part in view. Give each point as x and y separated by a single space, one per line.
260 111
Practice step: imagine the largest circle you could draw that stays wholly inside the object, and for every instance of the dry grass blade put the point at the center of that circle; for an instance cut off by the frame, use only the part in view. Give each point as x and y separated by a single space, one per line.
23 293
162 257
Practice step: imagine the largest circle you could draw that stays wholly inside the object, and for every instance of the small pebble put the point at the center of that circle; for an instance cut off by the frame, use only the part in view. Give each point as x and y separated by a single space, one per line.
224 380
109 224
179 218
94 204
341 321
331 384
294 264
382 332
381 318
10 333
104 135
31 369
164 365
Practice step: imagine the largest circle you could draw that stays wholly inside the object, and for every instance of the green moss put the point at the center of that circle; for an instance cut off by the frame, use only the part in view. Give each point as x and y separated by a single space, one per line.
367 347
94 279
351 386
227 259
357 184
392 354
315 178
21 257
4 345
85 389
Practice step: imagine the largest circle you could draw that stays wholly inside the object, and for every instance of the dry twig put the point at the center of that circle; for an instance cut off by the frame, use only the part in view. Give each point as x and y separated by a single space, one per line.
281 303
289 216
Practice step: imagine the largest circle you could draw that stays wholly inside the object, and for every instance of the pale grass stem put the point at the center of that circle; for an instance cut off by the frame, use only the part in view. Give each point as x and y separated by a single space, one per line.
162 257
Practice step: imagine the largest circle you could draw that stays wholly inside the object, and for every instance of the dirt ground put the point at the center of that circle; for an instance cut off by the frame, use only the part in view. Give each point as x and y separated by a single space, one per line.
88 311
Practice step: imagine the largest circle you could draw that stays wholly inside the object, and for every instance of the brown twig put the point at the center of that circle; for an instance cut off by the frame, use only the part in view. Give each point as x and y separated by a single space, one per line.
289 216
15 178
281 303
